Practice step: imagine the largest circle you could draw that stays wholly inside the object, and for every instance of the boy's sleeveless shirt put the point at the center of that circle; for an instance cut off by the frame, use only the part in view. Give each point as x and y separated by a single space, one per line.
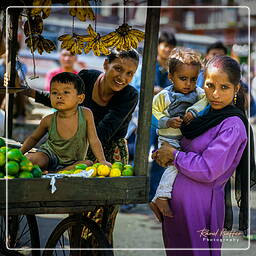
68 150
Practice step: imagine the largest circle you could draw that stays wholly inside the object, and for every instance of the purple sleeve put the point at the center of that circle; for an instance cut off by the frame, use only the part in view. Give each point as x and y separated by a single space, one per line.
222 153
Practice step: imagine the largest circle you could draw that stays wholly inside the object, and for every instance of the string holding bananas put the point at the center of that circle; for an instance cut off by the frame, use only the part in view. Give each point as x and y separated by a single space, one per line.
124 38
82 14
94 42
45 11
33 25
72 42
39 43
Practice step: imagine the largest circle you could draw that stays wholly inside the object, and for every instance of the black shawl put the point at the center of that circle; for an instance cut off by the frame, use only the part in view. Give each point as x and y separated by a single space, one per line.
247 163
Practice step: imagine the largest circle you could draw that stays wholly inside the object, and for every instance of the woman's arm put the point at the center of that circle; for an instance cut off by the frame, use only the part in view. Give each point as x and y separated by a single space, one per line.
222 152
120 111
93 139
39 132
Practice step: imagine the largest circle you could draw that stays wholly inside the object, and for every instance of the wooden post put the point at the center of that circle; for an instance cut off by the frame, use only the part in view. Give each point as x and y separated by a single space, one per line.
146 88
11 64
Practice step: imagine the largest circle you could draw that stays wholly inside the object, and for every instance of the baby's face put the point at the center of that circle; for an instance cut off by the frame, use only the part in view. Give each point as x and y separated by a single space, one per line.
184 78
64 96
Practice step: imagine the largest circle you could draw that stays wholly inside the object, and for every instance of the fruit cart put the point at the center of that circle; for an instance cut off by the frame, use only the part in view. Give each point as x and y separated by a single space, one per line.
22 199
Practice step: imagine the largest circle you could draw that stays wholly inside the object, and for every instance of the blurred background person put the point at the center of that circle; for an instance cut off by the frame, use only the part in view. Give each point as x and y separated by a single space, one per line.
217 48
67 61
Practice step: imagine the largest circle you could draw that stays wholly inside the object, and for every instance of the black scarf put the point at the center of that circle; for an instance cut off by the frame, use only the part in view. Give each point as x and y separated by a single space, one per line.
203 123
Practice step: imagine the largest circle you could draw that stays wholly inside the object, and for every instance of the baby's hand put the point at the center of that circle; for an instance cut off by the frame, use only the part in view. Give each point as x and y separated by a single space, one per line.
188 117
105 163
174 122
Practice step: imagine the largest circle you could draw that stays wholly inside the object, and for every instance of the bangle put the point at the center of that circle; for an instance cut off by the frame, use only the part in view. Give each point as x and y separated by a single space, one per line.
163 198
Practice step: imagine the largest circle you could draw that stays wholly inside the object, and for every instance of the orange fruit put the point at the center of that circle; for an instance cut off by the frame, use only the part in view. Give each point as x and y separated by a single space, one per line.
115 172
26 165
2 159
14 155
36 171
12 168
127 172
103 170
118 165
26 175
80 166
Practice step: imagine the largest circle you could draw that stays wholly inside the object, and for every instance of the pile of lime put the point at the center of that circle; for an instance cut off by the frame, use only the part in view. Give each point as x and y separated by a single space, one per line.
100 170
13 164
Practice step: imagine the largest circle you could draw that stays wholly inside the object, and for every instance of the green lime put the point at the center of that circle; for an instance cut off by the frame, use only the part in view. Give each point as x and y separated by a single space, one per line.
1 175
2 159
81 166
127 172
3 150
117 165
14 155
2 142
12 168
9 177
26 175
26 165
128 166
36 171
96 165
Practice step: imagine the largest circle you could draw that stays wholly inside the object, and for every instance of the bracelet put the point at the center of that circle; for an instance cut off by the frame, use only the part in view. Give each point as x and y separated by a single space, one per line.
163 198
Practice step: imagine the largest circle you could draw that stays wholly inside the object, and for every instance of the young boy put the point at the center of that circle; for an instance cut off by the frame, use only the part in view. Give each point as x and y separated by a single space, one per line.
69 129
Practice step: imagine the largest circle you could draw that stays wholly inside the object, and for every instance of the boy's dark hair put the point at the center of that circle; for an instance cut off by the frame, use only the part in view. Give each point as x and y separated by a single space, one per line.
217 45
133 54
167 37
70 78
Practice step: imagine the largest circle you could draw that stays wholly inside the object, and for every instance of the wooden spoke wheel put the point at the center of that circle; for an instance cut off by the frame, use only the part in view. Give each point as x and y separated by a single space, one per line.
22 235
77 232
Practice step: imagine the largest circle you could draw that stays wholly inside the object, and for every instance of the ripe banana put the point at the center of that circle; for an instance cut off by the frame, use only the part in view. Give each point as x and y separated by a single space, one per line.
41 4
123 38
82 14
39 43
33 25
73 43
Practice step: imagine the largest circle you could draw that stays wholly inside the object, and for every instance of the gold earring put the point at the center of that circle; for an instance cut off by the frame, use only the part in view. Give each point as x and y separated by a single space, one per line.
235 98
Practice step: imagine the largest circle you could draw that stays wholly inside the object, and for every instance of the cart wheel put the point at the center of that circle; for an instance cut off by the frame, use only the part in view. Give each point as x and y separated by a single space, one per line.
22 233
67 234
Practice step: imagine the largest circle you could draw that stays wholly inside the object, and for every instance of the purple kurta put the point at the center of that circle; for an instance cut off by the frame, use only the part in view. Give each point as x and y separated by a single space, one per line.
198 193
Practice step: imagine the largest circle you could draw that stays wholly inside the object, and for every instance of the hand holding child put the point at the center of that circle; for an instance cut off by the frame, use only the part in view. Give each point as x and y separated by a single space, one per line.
188 117
174 122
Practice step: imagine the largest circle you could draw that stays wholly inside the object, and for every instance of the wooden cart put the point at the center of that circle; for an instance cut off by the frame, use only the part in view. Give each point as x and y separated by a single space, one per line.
26 197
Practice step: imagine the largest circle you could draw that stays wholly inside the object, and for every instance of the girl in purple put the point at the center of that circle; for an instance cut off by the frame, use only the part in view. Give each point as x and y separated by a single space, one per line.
214 145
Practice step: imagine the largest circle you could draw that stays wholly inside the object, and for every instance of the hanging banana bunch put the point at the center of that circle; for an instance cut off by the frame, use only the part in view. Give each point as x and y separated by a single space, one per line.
82 14
94 42
45 11
123 38
72 42
39 43
33 29
33 25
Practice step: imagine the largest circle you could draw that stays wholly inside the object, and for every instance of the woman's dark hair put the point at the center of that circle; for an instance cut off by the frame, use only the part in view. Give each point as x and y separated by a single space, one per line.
133 54
232 68
70 78
167 37
217 45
